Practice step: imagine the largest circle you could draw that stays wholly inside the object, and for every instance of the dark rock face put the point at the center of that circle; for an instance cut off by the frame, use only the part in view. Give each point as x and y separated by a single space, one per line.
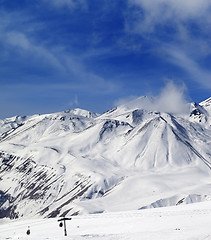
35 184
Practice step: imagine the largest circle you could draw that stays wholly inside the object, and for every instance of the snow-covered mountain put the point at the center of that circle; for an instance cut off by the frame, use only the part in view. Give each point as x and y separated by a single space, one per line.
128 158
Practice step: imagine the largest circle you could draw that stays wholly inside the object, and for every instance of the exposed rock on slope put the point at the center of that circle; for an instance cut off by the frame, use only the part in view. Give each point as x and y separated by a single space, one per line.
127 158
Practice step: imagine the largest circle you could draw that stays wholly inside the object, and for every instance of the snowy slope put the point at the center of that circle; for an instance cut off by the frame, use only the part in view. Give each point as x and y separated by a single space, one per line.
131 157
171 223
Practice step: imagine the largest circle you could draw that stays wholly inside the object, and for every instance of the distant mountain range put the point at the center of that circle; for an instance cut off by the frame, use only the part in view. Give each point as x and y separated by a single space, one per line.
128 158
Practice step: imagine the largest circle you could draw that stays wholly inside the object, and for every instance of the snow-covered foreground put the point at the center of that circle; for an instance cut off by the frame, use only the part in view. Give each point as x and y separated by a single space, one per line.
179 222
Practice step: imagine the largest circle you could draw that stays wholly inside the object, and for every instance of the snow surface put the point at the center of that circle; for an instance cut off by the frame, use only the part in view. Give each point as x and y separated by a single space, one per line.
129 158
188 222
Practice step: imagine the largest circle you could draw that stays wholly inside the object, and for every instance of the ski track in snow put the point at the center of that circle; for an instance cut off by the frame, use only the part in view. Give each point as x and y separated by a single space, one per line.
188 222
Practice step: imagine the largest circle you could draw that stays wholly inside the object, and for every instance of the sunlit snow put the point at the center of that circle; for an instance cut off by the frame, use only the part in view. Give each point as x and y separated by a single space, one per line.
189 222
129 158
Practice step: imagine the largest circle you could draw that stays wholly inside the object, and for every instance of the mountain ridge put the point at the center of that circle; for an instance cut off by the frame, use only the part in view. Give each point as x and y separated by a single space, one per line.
76 161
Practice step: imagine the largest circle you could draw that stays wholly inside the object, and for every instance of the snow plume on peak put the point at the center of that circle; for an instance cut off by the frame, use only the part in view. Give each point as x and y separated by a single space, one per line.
171 99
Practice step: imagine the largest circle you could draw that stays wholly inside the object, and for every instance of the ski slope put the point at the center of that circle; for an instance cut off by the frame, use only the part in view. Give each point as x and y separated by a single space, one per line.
188 222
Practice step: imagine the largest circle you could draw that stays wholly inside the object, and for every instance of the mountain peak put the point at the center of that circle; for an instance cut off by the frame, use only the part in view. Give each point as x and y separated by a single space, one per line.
206 102
207 105
134 156
143 102
82 112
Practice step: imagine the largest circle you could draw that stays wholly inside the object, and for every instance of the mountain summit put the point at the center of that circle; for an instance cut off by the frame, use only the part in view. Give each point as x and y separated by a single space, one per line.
131 157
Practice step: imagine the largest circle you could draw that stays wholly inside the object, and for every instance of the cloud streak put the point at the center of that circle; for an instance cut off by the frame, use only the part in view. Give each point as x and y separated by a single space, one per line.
181 29
20 41
83 48
71 4
70 67
151 14
181 59
41 70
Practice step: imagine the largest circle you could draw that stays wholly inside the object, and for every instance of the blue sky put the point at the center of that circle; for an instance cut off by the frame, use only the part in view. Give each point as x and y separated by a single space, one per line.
62 54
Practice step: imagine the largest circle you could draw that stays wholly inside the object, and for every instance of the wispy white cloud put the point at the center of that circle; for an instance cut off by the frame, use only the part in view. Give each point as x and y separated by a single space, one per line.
19 40
74 102
181 29
71 4
180 58
70 67
156 12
